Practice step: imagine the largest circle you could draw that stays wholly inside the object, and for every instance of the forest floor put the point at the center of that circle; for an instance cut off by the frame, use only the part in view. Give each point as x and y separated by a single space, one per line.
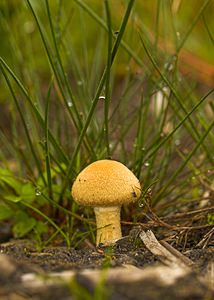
141 266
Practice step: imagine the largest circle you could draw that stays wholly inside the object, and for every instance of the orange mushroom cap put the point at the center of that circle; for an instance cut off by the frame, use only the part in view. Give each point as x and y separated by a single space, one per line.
106 183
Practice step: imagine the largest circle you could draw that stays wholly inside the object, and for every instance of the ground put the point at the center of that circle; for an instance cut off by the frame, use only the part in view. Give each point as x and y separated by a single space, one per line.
133 272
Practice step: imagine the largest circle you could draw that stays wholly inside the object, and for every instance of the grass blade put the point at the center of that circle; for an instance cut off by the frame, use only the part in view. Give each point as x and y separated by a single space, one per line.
46 144
107 86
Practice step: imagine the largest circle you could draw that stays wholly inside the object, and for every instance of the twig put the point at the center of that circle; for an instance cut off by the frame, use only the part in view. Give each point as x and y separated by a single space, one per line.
178 254
205 240
163 224
166 253
189 213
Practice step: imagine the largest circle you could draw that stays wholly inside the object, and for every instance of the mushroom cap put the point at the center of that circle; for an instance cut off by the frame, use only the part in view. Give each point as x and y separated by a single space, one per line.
106 183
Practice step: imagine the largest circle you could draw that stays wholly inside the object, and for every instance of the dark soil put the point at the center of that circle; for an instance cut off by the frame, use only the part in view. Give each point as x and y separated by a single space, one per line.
23 257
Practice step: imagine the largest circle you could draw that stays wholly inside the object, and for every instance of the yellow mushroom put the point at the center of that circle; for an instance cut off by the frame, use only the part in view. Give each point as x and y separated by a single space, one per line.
106 185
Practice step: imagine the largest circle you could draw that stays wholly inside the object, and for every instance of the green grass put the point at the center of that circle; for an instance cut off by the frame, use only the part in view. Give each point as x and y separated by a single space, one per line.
85 80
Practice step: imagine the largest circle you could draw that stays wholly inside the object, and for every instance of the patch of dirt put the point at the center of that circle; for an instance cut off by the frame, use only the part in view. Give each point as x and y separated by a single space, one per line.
22 257
62 258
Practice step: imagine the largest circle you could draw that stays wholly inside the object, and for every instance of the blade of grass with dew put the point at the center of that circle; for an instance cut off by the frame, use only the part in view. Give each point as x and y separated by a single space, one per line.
96 98
139 153
35 110
107 85
183 164
36 159
47 154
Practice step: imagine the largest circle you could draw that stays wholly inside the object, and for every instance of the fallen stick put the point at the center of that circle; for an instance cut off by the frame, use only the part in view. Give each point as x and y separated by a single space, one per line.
166 253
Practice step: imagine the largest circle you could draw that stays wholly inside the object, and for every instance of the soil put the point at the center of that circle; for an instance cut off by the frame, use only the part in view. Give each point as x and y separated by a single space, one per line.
20 257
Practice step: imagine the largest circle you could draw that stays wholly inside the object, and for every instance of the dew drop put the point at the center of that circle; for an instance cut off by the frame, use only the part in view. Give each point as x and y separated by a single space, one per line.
79 82
146 164
29 27
177 142
171 67
38 192
102 98
43 141
70 104
168 66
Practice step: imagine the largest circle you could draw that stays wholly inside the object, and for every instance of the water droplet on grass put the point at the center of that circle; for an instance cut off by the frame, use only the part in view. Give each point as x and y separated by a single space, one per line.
168 66
102 98
29 27
70 104
146 164
38 192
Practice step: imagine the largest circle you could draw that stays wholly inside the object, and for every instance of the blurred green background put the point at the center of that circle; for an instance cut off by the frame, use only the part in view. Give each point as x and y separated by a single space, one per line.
21 46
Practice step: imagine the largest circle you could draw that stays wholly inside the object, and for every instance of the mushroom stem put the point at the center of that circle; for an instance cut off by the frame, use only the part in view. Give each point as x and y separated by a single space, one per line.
108 224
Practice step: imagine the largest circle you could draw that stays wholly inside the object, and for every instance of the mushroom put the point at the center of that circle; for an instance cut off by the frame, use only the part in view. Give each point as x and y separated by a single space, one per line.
106 185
